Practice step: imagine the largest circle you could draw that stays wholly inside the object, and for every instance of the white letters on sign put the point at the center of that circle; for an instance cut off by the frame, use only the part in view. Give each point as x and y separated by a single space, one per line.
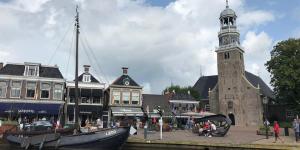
110 132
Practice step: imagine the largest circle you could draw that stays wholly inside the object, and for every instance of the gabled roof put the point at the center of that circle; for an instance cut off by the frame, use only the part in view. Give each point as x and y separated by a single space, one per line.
205 82
120 81
152 101
93 79
18 70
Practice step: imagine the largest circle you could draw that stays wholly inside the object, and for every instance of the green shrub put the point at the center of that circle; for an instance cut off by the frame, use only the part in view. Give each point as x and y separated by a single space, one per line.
263 128
9 122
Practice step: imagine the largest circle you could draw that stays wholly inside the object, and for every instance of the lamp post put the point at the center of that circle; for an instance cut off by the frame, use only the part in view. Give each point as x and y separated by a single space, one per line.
265 102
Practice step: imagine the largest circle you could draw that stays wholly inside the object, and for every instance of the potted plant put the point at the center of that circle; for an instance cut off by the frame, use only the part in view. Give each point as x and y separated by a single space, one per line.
262 131
8 125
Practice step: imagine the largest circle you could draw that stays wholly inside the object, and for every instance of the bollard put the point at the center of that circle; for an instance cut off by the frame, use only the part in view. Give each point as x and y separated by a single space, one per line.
145 131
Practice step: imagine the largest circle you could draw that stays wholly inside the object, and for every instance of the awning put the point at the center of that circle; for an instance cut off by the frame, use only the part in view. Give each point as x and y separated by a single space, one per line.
127 111
86 109
30 108
194 114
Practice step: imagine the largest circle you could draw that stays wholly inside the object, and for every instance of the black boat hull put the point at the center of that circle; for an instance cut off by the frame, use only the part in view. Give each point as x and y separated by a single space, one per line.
107 139
104 139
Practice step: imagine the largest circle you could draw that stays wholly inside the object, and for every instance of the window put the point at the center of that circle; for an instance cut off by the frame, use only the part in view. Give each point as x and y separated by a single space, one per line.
226 55
30 92
125 97
58 91
85 100
31 70
3 87
135 98
15 89
230 105
116 97
86 78
207 107
45 90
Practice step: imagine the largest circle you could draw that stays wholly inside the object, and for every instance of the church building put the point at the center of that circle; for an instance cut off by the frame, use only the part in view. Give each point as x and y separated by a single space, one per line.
234 92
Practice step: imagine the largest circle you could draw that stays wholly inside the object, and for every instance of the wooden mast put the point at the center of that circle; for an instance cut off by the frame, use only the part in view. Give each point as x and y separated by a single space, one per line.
76 71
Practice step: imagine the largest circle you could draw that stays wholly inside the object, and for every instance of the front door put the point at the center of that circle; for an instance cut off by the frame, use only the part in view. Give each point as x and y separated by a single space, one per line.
231 117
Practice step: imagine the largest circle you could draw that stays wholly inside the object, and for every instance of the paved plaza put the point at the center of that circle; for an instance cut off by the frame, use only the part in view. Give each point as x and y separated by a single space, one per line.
235 136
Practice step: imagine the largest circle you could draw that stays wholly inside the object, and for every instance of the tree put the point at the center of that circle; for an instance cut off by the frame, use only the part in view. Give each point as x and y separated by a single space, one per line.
284 67
185 90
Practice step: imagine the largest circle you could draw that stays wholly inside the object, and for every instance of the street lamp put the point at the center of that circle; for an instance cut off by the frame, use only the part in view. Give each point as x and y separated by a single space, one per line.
265 102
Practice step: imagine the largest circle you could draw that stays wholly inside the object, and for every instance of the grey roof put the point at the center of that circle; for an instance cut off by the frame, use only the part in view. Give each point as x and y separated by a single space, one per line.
182 96
120 81
205 82
93 79
227 12
152 101
18 70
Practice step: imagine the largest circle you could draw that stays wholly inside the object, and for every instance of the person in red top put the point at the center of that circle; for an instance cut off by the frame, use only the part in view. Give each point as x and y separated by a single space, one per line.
276 131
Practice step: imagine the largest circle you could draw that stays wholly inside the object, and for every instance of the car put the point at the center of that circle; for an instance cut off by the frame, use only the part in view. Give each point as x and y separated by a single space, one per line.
40 125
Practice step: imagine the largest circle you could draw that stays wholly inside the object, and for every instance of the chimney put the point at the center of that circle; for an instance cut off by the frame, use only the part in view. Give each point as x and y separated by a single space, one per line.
1 65
86 68
125 70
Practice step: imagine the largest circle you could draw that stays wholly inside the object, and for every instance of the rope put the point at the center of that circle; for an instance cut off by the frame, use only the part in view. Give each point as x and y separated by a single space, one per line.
70 52
94 57
59 44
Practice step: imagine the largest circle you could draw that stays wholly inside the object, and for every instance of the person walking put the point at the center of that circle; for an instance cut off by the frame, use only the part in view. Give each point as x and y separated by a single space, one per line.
276 131
296 127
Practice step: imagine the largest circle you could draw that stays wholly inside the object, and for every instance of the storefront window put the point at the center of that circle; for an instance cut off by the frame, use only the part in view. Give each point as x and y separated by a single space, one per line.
58 91
135 98
30 92
116 97
3 87
125 97
45 90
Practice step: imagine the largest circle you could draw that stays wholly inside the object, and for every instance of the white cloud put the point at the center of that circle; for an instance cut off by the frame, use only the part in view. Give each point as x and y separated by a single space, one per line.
257 43
31 6
159 45
255 18
257 52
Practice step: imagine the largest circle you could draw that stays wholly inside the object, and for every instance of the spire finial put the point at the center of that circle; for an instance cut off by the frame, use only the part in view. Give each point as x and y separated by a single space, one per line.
227 4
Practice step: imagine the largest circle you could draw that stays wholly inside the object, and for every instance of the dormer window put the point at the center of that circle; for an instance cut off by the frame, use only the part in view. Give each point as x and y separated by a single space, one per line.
86 78
31 70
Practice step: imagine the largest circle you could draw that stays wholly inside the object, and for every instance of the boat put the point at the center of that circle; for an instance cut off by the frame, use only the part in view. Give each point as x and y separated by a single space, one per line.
111 138
222 123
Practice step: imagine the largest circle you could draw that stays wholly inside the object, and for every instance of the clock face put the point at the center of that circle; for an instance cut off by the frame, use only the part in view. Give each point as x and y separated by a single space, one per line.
126 82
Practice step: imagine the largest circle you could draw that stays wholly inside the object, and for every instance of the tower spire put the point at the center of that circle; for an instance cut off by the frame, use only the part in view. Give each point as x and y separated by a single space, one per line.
227 6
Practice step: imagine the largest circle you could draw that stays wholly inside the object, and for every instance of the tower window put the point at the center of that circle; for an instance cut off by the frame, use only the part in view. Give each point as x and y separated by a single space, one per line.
226 55
230 105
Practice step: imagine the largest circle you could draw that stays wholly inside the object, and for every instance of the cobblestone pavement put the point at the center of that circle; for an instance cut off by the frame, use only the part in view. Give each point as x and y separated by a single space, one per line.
236 135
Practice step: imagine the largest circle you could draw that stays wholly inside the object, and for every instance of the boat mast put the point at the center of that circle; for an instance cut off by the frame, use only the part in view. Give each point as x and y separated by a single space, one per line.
76 71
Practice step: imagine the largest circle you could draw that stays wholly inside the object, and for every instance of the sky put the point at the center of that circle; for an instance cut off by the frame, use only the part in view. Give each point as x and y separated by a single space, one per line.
162 42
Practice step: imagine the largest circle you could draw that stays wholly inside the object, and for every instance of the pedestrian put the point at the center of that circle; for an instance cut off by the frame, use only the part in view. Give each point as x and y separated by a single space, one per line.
296 128
276 131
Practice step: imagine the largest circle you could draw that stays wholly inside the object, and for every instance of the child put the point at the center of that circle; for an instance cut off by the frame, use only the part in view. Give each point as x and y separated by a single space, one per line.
276 131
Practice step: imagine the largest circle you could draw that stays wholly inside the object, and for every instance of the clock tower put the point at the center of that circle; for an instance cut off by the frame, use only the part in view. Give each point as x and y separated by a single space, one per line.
231 70
236 93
